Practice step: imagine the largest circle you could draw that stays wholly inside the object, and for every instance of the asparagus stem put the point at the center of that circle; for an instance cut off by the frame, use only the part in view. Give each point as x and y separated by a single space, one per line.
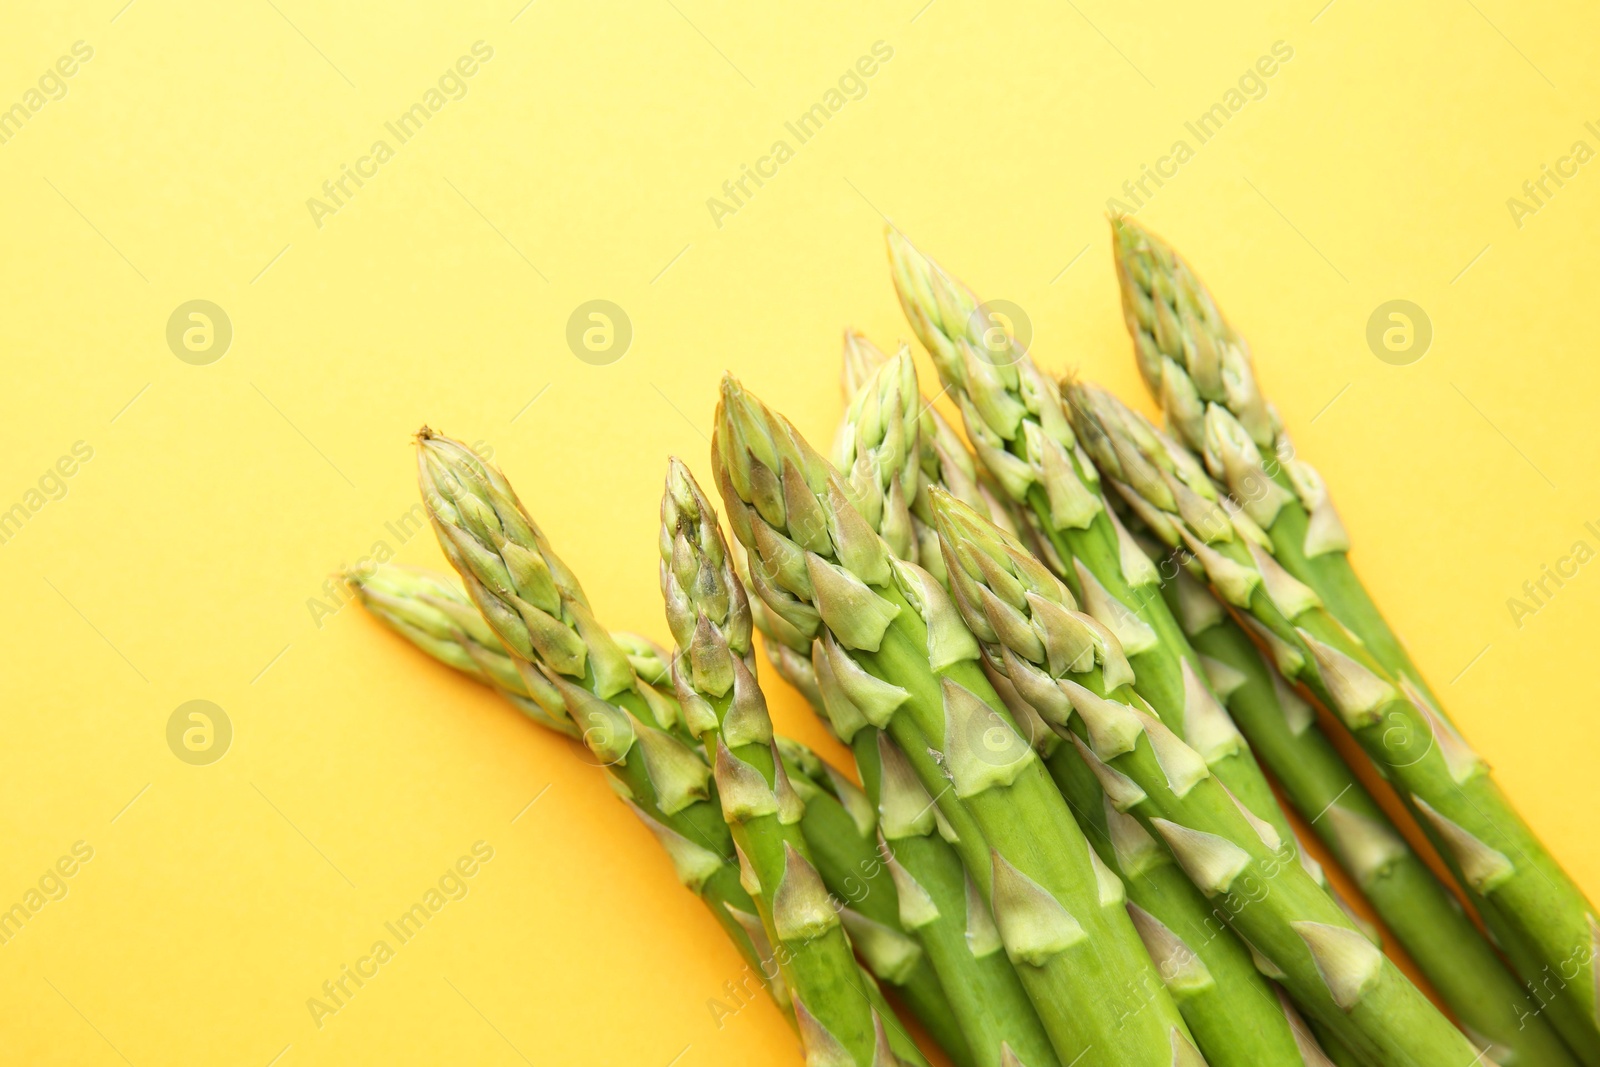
841 1017
983 986
993 1007
987 1001
1229 1006
816 562
893 445
1335 1050
873 443
1072 672
1199 368
1428 921
840 825
1014 417
435 615
405 600
538 611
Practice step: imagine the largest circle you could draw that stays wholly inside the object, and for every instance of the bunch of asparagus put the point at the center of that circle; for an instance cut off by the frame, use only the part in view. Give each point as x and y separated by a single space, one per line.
1064 663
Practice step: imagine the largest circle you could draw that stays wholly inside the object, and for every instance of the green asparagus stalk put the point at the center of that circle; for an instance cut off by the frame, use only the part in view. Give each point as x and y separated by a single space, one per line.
880 450
874 383
537 609
1229 1005
1199 368
407 601
788 651
841 824
902 658
435 615
891 445
841 1017
1014 418
873 443
1317 1037
1071 673
935 897
943 459
949 914
1282 728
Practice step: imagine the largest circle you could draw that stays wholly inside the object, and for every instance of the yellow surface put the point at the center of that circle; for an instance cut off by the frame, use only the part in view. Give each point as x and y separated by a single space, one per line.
183 561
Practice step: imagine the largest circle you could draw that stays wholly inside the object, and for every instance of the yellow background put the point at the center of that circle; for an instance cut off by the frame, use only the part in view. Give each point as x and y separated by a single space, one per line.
180 563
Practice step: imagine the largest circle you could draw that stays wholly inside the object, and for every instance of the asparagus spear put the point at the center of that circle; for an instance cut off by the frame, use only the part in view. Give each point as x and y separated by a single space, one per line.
935 895
891 445
838 824
1436 932
1027 621
856 871
538 611
787 648
905 663
1015 421
666 788
874 443
862 361
435 615
880 450
841 825
1200 370
835 1003
1229 1005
